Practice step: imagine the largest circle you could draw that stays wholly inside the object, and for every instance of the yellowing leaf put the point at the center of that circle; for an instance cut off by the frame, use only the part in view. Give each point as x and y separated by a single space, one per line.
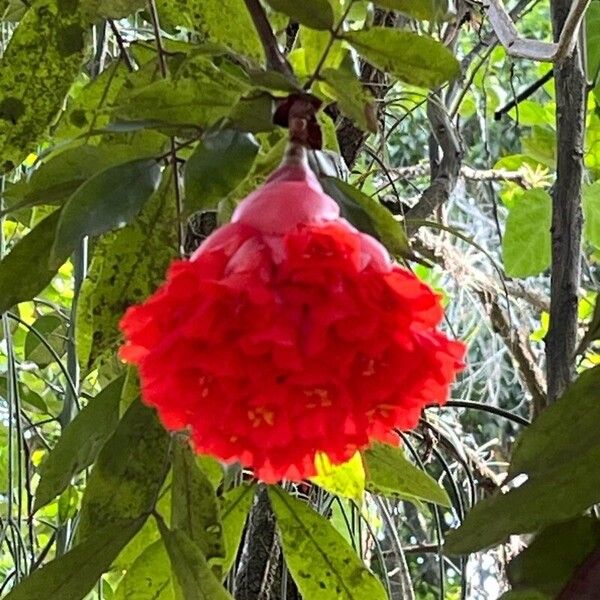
347 479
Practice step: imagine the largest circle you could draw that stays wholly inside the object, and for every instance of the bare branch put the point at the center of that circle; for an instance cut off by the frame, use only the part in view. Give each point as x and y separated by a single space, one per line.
520 47
275 59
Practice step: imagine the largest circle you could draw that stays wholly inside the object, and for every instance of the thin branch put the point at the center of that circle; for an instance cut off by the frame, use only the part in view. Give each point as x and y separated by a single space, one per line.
275 59
520 47
422 169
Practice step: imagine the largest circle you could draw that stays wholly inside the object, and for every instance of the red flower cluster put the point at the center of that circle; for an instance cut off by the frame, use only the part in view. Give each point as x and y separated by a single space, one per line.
288 333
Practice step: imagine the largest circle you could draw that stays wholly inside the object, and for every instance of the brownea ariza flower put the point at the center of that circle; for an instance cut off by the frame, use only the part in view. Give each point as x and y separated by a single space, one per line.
289 333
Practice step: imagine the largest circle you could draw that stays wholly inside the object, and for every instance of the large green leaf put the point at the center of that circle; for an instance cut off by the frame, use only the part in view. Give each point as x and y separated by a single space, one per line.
591 213
526 241
127 266
234 513
54 331
37 69
415 59
73 575
194 507
129 472
316 14
389 473
149 577
80 443
323 565
428 10
353 99
194 578
224 22
555 553
109 200
560 454
24 272
562 433
219 164
193 101
368 215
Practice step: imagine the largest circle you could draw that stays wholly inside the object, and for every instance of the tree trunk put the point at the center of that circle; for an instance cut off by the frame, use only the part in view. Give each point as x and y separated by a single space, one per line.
566 213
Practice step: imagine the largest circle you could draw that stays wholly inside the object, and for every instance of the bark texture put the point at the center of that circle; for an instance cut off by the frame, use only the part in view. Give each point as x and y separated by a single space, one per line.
567 218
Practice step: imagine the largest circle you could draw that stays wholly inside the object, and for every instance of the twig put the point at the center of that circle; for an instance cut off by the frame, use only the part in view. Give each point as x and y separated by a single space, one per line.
124 53
526 93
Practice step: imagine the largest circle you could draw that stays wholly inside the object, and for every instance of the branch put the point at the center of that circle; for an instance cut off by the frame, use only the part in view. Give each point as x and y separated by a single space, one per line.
275 59
567 219
448 171
520 47
422 169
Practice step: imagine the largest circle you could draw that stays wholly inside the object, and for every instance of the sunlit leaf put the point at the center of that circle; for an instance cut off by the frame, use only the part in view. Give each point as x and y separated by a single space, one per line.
149 577
346 479
591 213
129 472
37 69
389 473
424 63
526 241
53 330
323 565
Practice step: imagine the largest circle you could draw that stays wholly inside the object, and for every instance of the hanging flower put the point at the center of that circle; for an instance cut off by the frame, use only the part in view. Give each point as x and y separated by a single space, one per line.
289 333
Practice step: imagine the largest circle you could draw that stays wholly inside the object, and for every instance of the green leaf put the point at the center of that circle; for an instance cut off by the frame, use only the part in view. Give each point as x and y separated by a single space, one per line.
235 507
316 14
427 10
32 399
79 444
73 575
591 213
549 562
559 453
113 9
224 22
194 102
593 41
194 507
541 146
149 577
212 468
24 272
526 241
323 565
353 99
38 66
126 267
194 578
389 473
563 432
367 215
129 472
424 61
109 200
52 328
219 164
346 479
